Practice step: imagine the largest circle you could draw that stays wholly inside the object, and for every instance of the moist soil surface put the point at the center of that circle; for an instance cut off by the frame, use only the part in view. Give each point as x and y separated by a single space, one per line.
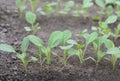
12 32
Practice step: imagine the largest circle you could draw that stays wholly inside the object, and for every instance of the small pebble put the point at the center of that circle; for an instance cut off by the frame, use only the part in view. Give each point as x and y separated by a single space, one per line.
14 57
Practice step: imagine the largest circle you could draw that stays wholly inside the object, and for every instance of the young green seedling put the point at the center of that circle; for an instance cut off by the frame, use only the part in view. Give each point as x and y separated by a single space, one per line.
77 11
57 6
39 43
31 19
81 49
21 5
53 41
103 26
66 35
97 47
33 4
66 49
108 10
116 32
22 57
49 8
85 5
67 7
115 52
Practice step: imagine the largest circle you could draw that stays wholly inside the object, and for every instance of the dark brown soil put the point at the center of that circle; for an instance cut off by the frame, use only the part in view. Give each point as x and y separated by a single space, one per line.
12 32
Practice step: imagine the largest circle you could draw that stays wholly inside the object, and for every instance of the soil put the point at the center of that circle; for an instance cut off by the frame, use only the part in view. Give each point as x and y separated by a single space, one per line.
12 32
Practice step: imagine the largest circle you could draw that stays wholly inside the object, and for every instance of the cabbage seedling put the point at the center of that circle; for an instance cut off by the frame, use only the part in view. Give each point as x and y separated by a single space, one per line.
49 8
33 4
89 38
31 19
115 52
77 11
21 5
81 49
67 7
53 41
103 26
66 35
39 43
22 57
108 10
86 4
97 47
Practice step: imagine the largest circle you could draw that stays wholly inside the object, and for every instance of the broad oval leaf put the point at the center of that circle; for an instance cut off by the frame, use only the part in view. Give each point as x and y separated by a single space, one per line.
111 19
101 54
90 37
66 35
27 29
72 42
110 1
25 44
100 3
30 17
35 40
21 56
7 48
69 4
33 59
72 52
55 39
108 43
114 51
87 3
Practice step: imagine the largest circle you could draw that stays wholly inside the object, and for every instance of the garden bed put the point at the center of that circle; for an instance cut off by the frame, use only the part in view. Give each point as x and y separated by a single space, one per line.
12 32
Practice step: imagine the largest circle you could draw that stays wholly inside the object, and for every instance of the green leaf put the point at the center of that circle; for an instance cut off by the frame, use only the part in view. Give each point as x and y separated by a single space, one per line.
90 37
35 40
19 3
108 43
114 51
101 54
54 39
34 59
118 27
7 48
30 17
100 3
94 28
87 3
72 42
27 29
41 11
66 47
21 56
72 52
24 45
66 35
69 4
111 19
48 7
46 50
110 1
